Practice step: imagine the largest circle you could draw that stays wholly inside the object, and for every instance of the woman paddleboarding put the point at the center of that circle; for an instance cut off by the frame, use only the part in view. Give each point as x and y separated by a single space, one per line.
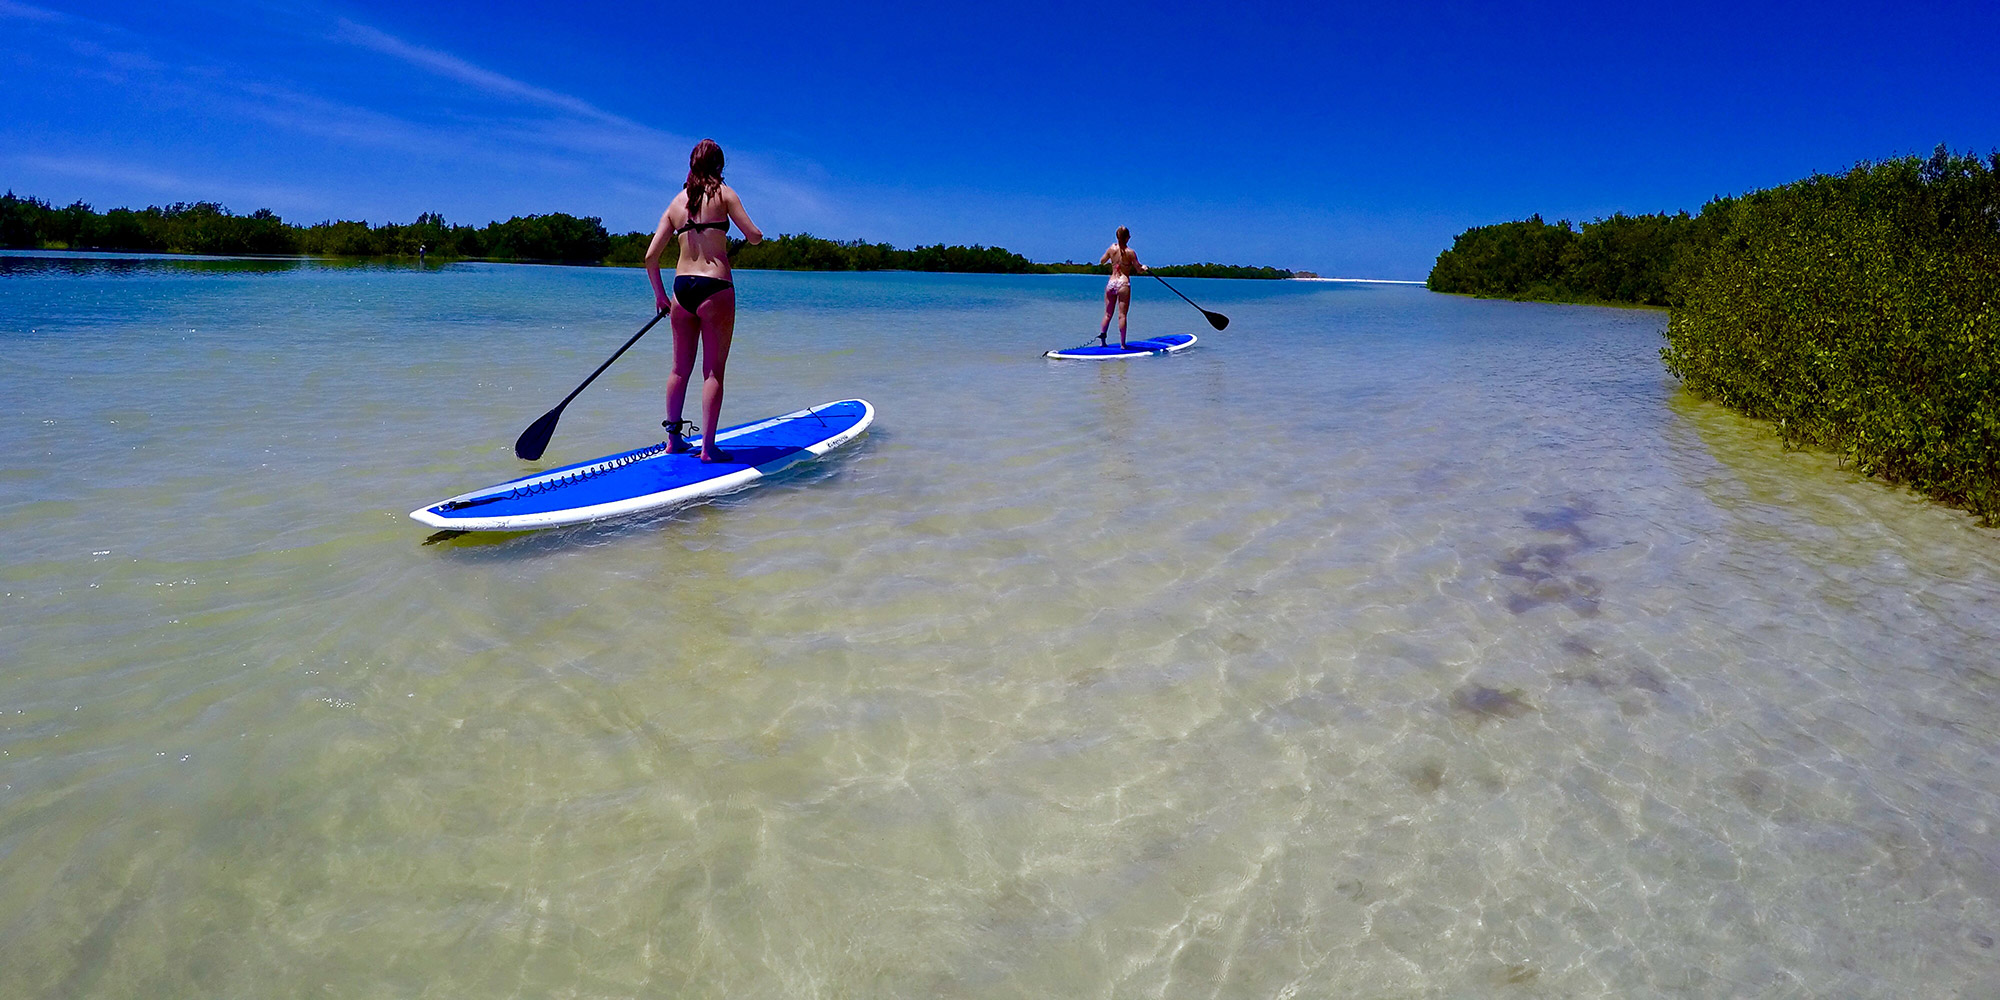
703 304
1124 263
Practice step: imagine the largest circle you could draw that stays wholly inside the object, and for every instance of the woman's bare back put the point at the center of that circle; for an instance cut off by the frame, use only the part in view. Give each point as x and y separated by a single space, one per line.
1123 260
705 251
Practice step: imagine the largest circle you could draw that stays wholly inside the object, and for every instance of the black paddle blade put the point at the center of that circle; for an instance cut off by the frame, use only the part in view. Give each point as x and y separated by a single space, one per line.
535 439
1216 320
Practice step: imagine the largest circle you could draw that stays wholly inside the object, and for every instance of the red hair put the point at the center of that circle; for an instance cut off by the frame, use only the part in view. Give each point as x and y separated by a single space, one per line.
704 174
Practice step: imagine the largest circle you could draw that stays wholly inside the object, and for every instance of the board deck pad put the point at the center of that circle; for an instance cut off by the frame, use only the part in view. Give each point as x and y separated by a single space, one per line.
1164 344
649 478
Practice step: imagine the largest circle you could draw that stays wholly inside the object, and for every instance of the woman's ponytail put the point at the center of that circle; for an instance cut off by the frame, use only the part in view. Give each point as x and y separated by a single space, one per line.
704 174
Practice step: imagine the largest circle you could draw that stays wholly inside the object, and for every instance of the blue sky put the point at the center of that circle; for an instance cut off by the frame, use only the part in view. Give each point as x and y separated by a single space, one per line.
1353 140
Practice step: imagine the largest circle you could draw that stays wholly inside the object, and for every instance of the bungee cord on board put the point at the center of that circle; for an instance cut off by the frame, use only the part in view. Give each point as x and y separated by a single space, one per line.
570 478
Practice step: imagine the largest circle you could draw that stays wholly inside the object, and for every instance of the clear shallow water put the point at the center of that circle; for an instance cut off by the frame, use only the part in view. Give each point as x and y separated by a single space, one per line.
1386 644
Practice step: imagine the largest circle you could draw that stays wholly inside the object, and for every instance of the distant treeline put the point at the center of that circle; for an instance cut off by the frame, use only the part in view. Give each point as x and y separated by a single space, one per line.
1177 270
1623 259
1859 311
805 252
208 228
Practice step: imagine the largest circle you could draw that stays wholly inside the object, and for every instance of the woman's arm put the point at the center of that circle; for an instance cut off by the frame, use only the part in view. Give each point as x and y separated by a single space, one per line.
740 216
1106 258
653 252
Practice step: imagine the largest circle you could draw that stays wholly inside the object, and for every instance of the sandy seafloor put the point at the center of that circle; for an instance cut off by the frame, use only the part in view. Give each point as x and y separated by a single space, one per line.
1385 645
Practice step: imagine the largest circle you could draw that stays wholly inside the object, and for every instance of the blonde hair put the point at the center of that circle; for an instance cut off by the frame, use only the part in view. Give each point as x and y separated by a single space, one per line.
1124 235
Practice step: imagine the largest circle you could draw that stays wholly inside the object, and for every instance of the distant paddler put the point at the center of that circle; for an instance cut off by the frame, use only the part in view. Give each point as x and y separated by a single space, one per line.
1124 263
703 304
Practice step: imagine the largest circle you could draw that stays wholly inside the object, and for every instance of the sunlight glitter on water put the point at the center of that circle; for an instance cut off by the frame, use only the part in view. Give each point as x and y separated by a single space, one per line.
1384 644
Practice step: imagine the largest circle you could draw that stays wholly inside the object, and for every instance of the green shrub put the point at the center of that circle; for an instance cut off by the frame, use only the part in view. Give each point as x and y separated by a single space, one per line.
1861 312
555 236
1218 271
1622 259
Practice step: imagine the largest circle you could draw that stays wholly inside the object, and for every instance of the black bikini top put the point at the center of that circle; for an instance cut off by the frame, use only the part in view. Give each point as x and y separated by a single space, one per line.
722 224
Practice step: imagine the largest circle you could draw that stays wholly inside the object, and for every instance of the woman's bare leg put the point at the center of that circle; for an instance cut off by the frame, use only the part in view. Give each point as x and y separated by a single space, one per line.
1110 303
718 328
1124 306
687 334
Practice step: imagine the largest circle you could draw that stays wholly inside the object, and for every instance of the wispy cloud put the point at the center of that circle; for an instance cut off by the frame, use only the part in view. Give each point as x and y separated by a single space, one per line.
103 171
8 8
641 158
542 122
448 65
309 114
484 138
163 183
117 59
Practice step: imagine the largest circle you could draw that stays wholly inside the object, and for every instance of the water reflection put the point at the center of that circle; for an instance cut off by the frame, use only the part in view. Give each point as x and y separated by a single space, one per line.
1389 644
1483 703
1544 569
31 264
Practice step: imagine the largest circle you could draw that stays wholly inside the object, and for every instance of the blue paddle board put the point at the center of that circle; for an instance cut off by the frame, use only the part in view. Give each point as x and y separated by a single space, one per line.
1165 344
649 478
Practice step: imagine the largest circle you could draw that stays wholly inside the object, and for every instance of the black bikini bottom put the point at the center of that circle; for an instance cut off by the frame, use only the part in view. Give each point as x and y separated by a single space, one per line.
691 290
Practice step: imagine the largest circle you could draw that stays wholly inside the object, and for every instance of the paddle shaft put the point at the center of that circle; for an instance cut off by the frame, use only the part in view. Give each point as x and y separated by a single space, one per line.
529 448
607 361
1215 319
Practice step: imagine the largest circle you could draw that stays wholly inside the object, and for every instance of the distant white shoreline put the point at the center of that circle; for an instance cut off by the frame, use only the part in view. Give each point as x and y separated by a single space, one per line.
1363 281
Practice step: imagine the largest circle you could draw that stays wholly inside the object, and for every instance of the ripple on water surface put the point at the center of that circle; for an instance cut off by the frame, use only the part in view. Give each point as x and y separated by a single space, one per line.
1384 644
